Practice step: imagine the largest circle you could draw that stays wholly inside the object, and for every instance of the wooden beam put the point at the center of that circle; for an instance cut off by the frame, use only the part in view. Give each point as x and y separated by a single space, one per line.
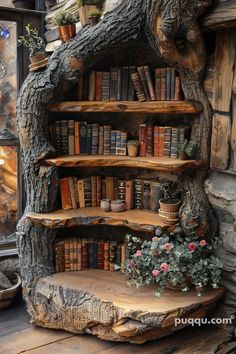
184 107
221 15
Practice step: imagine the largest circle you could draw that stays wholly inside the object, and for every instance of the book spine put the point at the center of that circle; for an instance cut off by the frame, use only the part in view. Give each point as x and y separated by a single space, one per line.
156 141
174 143
161 141
72 192
149 83
99 78
149 148
112 255
89 139
75 180
106 86
94 190
100 254
87 192
95 260
124 83
118 255
79 252
167 141
168 84
107 140
110 183
158 84
119 83
178 95
138 194
92 87
99 190
101 140
77 138
64 137
106 255
172 83
83 138
95 136
163 85
84 254
81 193
129 194
142 77
138 87
58 137
118 142
113 142
131 90
103 184
114 84
146 195
142 139
66 202
67 255
71 136
71 254
75 254
90 253
123 257
60 256
121 190
123 143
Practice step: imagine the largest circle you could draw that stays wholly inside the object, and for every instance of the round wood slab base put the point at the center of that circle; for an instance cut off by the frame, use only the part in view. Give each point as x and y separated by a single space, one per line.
101 303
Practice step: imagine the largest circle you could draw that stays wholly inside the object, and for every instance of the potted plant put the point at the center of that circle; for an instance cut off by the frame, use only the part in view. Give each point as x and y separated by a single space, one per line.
35 44
177 263
93 16
188 149
66 21
86 6
171 202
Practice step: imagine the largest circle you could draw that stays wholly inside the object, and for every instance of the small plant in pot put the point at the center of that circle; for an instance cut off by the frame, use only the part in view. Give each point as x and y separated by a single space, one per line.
94 16
35 45
66 21
171 202
188 150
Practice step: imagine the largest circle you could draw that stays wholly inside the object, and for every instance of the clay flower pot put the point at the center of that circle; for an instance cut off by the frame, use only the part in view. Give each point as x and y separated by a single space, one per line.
169 205
38 61
67 32
38 57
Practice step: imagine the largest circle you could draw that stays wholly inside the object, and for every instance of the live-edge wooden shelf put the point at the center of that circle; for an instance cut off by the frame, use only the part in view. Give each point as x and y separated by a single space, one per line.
133 219
162 164
173 107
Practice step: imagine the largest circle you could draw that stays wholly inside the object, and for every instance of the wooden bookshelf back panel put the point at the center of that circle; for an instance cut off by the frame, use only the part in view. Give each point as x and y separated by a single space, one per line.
176 107
162 164
133 219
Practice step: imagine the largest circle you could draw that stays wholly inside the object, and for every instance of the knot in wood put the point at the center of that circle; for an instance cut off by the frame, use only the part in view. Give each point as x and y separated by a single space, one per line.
122 107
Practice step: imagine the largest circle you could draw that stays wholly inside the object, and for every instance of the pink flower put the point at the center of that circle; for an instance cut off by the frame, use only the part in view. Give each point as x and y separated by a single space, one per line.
155 238
191 246
168 246
155 272
132 263
202 243
164 267
138 253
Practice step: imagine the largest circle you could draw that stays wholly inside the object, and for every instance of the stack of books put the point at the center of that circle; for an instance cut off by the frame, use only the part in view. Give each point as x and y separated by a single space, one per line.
129 83
161 141
70 137
87 192
74 253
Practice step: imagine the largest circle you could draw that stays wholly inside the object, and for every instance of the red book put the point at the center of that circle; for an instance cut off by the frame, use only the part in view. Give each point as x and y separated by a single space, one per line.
142 139
84 254
99 77
66 202
156 141
100 254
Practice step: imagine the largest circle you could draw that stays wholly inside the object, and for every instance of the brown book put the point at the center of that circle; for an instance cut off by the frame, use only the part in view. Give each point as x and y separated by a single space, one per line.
77 138
72 192
110 187
177 96
94 190
149 140
161 141
149 83
156 141
142 139
138 87
81 193
67 255
75 179
101 140
79 254
158 84
84 254
143 79
129 194
60 256
163 85
71 243
99 191
75 254
99 76
66 202
71 137
167 141
114 84
92 88
106 255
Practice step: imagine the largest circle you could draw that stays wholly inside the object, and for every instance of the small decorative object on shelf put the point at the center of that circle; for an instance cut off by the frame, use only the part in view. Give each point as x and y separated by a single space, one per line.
188 149
86 7
117 205
94 16
133 146
35 44
173 262
105 205
66 21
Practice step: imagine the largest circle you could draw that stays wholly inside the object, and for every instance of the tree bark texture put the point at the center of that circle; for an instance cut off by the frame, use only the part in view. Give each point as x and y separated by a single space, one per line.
171 28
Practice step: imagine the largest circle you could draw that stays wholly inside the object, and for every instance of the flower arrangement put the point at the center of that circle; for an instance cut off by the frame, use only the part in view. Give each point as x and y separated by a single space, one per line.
65 18
32 40
169 261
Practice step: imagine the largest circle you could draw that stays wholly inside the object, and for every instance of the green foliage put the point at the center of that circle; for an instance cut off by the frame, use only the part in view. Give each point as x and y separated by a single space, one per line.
189 148
98 3
31 40
65 18
170 189
173 261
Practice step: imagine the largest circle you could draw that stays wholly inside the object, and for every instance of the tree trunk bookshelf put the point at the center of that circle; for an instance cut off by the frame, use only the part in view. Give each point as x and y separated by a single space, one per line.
96 301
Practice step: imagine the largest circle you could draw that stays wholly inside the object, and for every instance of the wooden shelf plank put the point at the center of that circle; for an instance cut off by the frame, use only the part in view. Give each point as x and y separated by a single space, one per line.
117 311
163 164
133 219
184 107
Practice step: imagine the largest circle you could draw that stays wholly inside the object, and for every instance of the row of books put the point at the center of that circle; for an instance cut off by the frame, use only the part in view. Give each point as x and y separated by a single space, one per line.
130 83
87 192
74 253
161 141
70 137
